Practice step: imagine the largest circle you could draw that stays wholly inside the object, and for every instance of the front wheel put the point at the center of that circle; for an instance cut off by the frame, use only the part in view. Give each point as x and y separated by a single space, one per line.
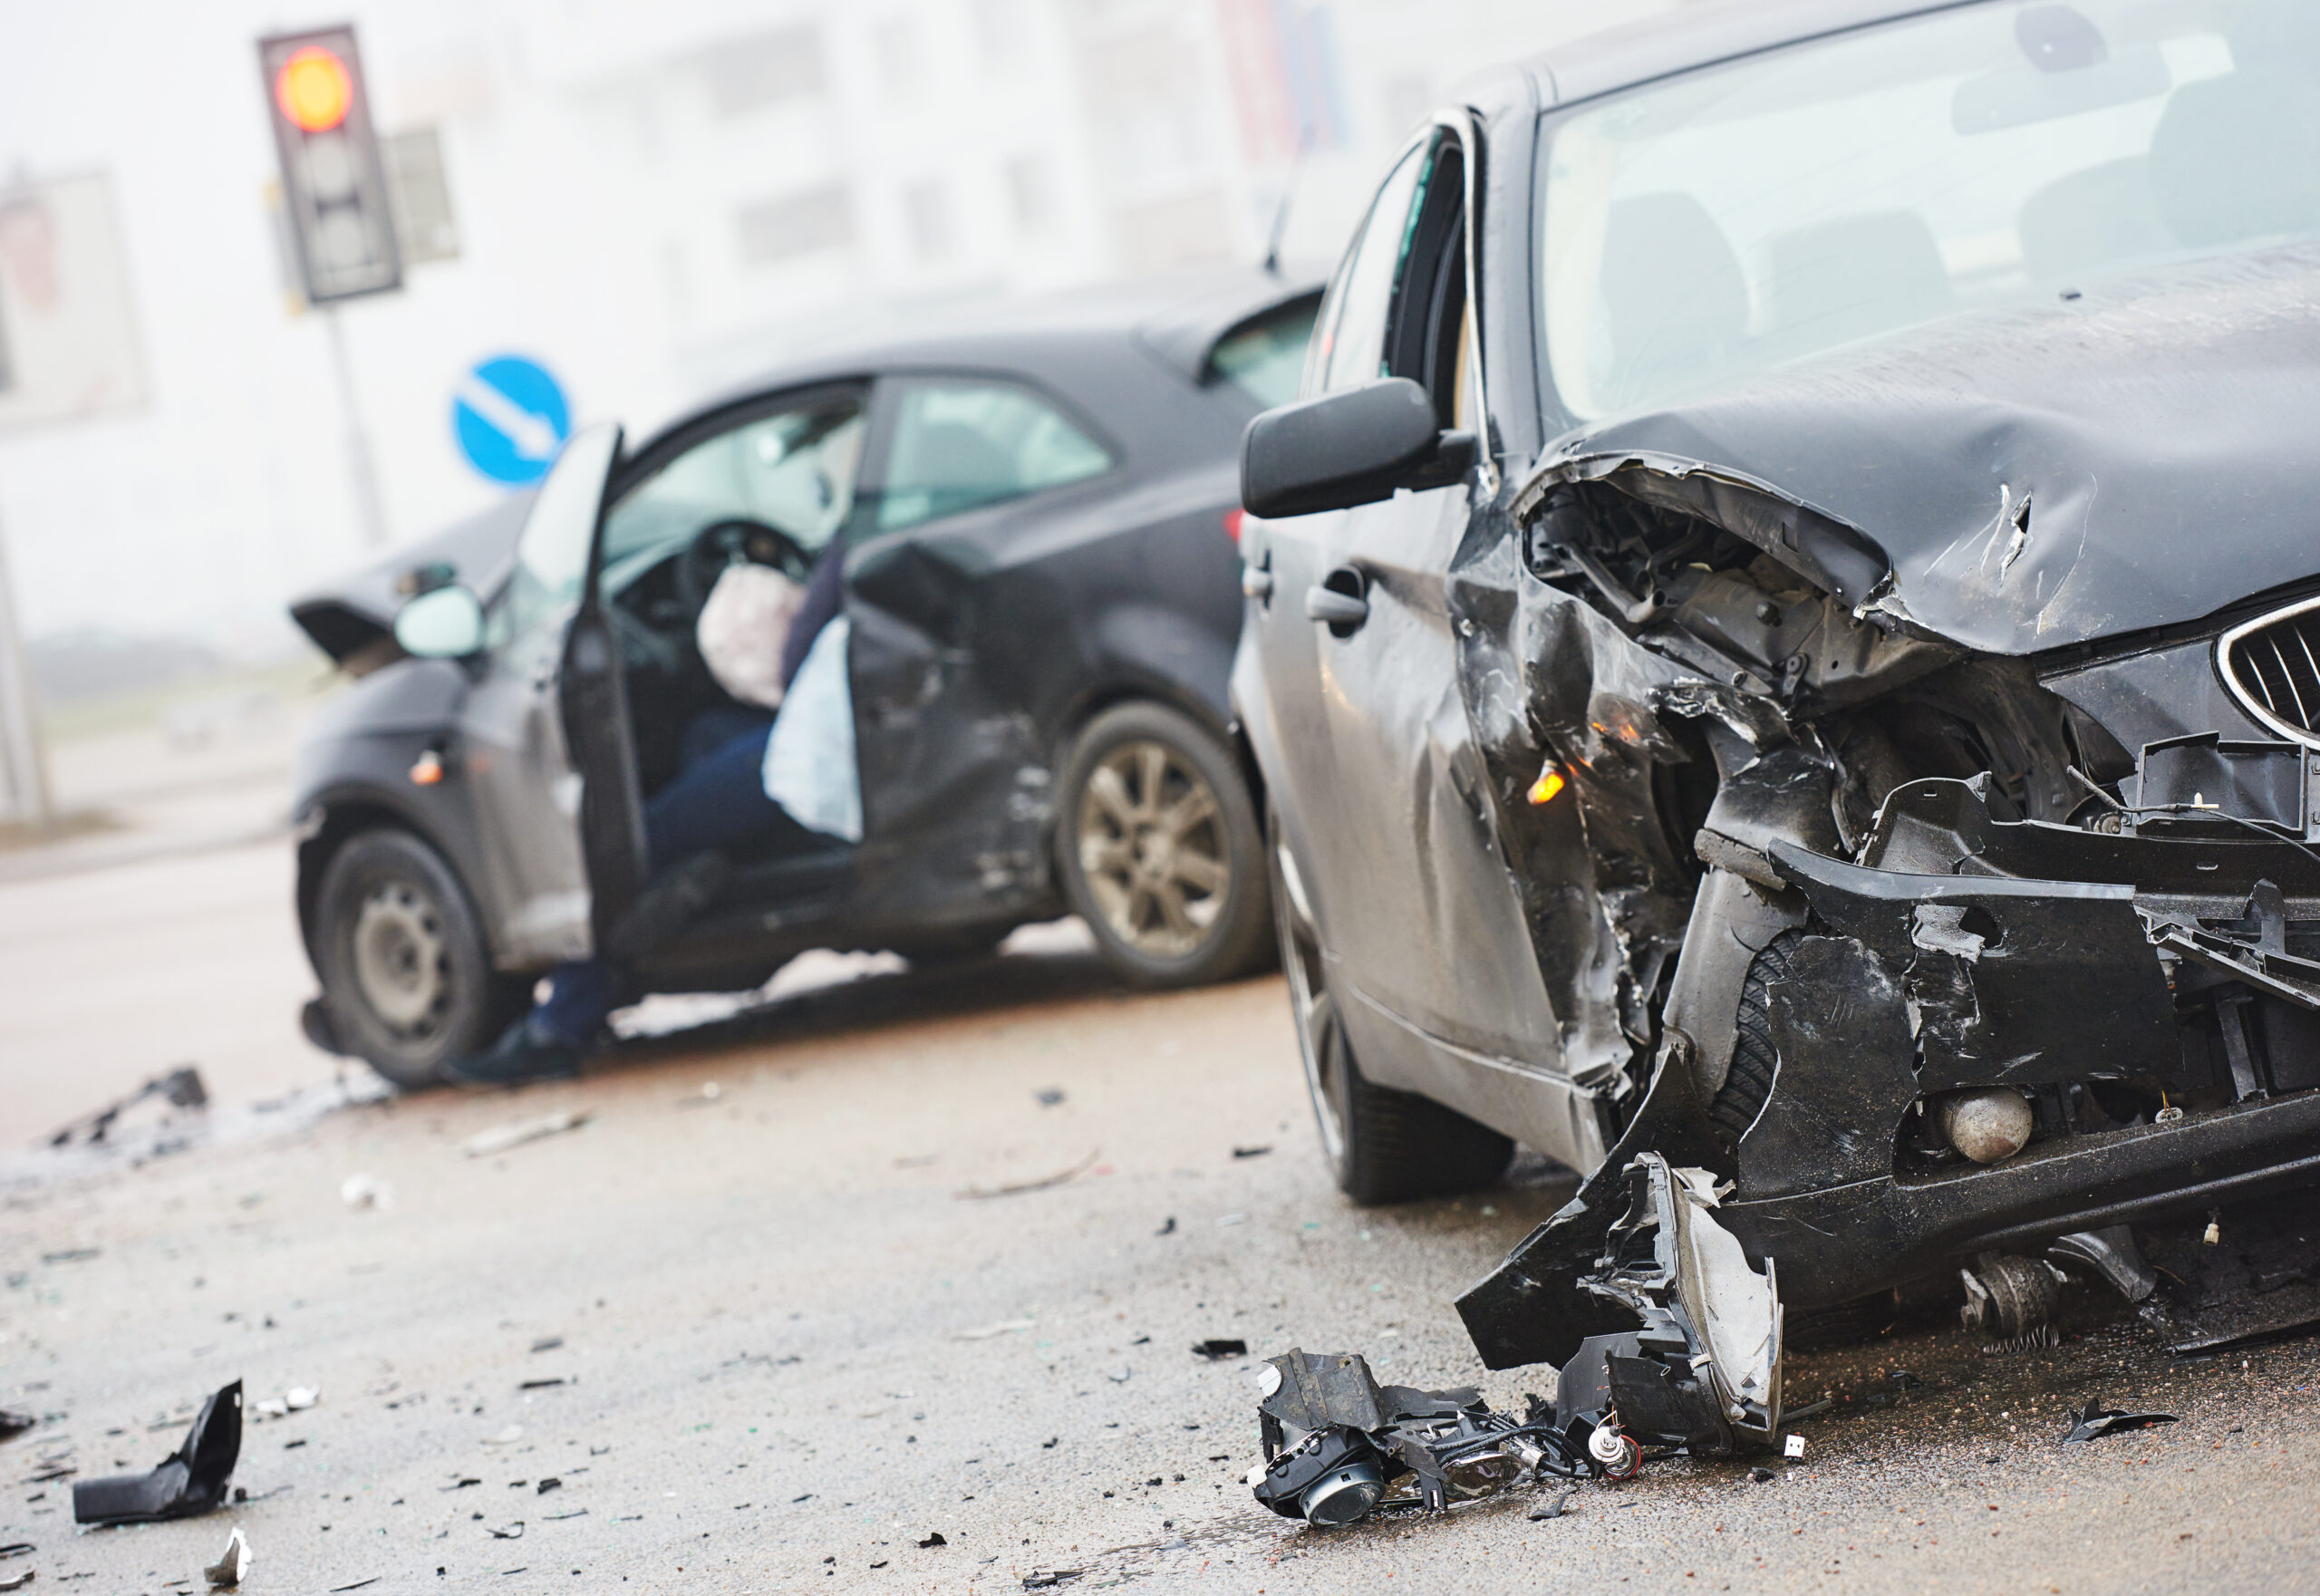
1159 849
406 979
1382 1146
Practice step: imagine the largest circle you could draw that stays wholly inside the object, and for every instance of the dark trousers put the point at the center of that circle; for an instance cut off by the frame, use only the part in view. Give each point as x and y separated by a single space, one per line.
717 803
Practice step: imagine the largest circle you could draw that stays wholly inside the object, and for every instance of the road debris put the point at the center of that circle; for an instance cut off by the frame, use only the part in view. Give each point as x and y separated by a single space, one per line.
1048 1578
1554 1507
366 1191
1701 1369
1251 1152
1216 1348
296 1399
181 1088
2094 1420
1361 1445
1167 1227
973 1192
990 1331
191 1482
934 1538
1048 1096
18 1582
232 1565
15 1422
501 1137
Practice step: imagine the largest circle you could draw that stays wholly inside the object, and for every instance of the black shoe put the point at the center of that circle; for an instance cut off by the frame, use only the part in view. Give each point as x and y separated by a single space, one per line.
517 1056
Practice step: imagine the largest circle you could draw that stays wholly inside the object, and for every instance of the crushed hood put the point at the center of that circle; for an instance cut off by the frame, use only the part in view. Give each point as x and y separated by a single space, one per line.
352 619
2141 456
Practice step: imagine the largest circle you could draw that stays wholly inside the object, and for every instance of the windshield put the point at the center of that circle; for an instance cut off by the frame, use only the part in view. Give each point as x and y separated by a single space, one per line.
1738 217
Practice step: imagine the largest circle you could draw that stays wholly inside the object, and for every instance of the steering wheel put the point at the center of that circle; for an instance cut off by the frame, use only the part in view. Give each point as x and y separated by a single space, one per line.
721 543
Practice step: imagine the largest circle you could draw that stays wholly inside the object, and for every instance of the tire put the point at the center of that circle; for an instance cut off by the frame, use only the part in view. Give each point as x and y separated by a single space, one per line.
1158 843
1748 1084
1382 1146
407 978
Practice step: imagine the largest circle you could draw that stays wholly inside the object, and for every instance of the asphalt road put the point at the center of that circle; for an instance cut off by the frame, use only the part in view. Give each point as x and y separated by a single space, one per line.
793 1342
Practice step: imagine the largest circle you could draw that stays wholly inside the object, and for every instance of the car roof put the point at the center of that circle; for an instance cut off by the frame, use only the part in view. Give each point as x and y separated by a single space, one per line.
1678 40
1176 319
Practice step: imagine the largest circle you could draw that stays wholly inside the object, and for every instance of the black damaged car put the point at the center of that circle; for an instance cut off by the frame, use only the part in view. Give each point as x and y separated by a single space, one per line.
1783 651
1036 513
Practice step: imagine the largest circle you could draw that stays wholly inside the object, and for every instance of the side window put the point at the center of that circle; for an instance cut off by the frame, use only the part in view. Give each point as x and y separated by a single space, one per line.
552 550
962 445
793 469
1427 337
1350 347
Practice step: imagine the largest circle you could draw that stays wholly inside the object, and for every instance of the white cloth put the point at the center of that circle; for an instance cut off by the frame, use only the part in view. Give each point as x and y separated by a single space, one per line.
742 628
809 769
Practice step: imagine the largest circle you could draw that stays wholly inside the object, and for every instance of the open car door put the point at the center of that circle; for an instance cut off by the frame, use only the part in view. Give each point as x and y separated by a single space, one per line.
545 729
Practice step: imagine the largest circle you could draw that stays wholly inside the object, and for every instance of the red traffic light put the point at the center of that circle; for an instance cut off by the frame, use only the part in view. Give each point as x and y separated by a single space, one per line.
313 90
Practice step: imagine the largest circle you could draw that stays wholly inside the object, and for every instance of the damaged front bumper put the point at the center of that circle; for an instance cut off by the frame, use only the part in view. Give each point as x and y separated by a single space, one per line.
2143 997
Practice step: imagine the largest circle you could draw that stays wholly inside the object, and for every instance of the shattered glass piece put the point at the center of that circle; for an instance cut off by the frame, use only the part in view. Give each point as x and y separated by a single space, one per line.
188 1483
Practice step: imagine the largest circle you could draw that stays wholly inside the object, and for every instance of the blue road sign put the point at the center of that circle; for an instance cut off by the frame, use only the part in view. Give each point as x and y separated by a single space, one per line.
511 418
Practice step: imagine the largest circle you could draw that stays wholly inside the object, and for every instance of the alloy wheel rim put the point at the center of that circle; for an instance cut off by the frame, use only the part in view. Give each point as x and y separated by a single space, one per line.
402 963
1153 849
1309 998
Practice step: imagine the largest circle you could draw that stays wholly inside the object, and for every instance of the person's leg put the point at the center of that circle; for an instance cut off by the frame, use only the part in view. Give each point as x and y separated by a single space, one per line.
716 726
717 804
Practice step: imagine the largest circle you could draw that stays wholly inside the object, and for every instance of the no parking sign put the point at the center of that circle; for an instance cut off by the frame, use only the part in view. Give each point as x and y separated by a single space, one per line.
511 418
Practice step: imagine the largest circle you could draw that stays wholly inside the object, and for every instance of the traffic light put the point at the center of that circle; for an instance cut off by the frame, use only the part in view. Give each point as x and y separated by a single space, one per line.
333 187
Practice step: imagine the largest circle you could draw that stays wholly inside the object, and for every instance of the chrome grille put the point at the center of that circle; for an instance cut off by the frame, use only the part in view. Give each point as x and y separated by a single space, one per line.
2272 666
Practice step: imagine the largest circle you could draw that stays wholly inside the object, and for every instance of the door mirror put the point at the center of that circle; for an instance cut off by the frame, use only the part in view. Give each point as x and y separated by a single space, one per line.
1353 446
444 624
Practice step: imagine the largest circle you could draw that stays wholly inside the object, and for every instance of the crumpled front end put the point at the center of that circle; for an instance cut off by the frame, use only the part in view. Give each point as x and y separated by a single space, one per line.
1934 956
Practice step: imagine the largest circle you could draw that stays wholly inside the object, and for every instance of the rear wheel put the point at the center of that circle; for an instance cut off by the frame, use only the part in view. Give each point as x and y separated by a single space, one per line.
1383 1145
1159 849
406 979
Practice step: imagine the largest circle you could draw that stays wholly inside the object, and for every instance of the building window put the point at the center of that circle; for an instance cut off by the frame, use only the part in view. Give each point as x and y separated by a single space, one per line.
751 74
896 43
795 225
1031 195
933 234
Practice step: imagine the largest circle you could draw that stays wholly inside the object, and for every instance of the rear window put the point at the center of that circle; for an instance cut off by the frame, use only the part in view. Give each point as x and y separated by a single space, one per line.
1264 358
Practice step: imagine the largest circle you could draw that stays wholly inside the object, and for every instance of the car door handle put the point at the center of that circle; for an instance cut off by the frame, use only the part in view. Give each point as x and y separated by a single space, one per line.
1256 581
1338 609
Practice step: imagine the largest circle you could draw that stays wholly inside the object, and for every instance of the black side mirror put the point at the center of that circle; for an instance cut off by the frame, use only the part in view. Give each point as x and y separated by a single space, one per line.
1349 448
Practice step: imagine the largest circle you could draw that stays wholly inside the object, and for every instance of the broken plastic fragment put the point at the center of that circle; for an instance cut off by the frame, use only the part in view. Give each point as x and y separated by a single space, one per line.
1357 1439
232 1565
1216 1347
189 1482
2094 1420
501 1137
1793 1448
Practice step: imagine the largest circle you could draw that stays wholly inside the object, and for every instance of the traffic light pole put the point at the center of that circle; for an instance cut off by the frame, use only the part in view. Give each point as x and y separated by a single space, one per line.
360 477
23 765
